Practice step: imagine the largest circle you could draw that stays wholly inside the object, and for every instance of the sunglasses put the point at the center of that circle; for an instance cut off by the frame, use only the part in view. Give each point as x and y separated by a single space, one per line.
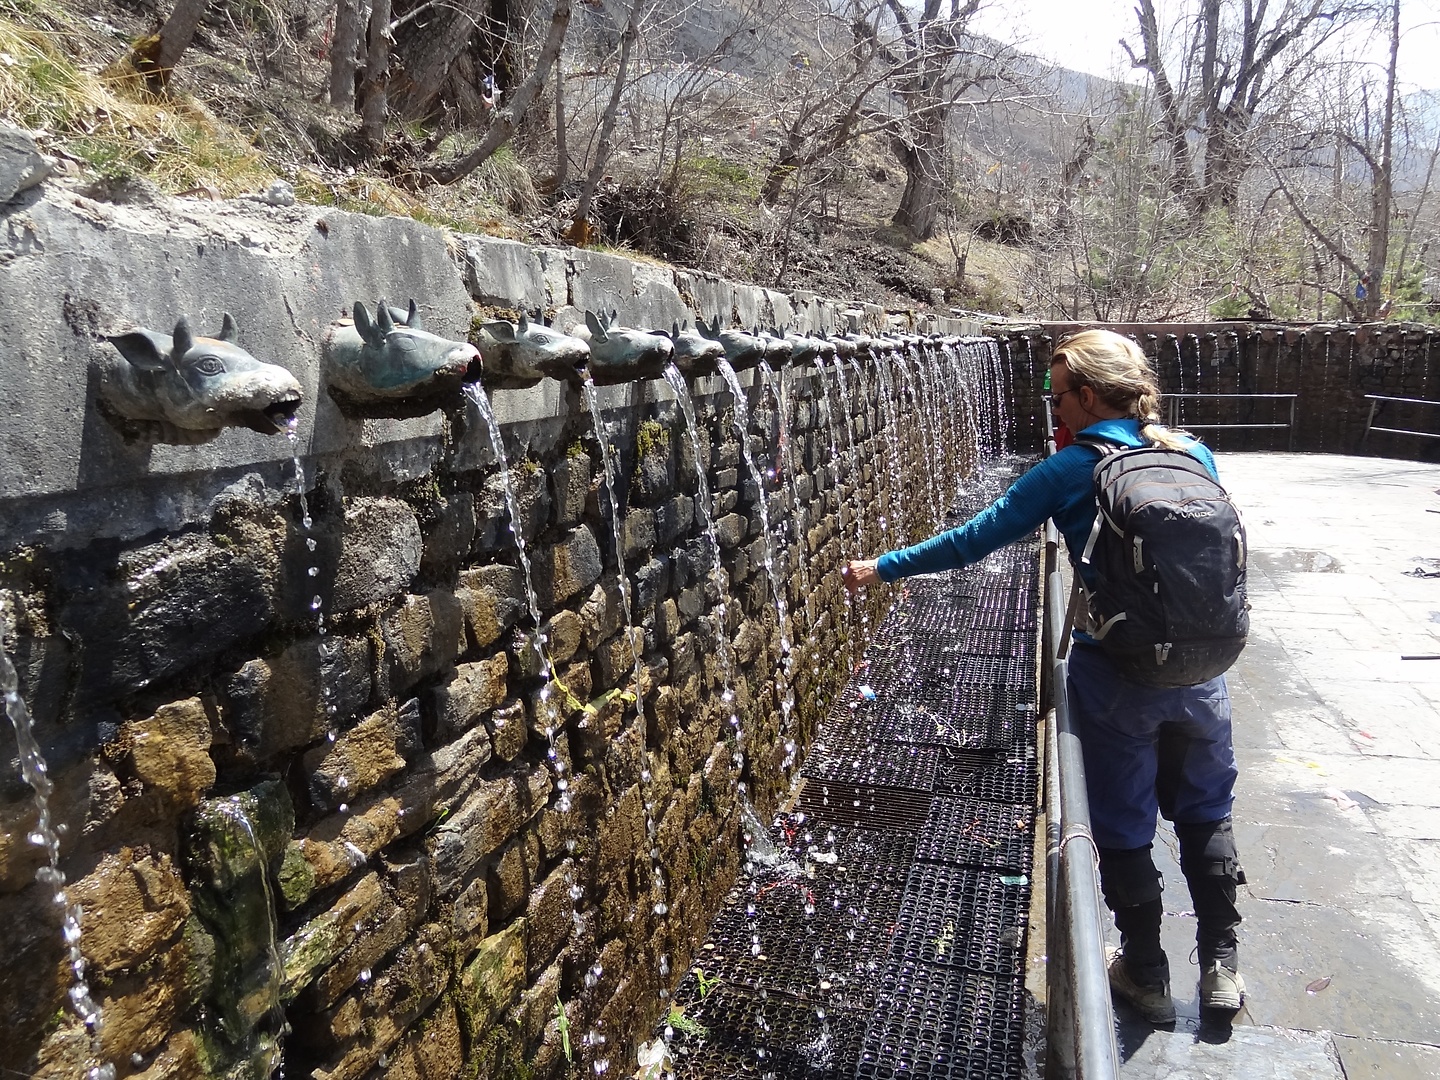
1055 398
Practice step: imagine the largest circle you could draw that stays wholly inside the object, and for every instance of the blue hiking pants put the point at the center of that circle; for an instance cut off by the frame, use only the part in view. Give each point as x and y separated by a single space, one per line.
1149 750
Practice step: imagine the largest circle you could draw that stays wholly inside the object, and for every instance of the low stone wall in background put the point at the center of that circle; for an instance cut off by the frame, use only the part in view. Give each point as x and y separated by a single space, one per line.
1329 367
339 825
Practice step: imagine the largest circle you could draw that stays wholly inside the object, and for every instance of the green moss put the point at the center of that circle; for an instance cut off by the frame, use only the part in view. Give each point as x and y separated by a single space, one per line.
296 877
652 438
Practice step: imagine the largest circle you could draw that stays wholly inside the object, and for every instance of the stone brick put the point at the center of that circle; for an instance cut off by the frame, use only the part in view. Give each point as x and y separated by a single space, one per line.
691 603
615 659
492 513
564 633
653 477
371 1018
142 1007
170 752
285 701
620 838
570 480
381 931
513 875
559 830
468 694
493 813
637 533
491 981
367 755
536 1009
178 1059
492 598
563 569
164 609
422 634
684 658
548 917
135 905
448 537
602 613
470 914
667 622
380 550
433 1049
673 519
730 530
507 729
652 581
338 845
317 944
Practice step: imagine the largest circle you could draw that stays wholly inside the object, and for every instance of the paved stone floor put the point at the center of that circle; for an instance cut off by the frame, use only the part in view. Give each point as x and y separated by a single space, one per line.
1338 806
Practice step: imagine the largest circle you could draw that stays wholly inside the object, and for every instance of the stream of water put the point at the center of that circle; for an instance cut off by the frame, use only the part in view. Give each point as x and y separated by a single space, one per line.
46 835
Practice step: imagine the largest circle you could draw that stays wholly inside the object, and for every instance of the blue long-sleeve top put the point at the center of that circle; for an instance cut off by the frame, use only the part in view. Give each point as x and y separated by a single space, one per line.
1060 487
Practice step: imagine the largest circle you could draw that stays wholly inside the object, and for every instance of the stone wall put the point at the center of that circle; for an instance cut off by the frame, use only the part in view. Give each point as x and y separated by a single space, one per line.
314 784
1330 368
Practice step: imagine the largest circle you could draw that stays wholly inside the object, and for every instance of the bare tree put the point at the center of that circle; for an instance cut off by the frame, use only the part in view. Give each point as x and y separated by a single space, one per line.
374 92
344 45
503 123
1236 60
435 33
155 57
580 230
1349 222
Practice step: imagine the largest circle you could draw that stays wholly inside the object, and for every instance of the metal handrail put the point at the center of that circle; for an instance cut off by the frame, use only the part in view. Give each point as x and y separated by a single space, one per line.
1079 1022
1375 402
1172 412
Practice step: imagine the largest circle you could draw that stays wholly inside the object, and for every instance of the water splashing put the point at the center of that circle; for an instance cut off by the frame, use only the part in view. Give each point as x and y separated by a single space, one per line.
740 415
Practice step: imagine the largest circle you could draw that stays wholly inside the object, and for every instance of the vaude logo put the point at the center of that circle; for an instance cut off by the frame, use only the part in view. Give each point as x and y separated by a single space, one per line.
1194 511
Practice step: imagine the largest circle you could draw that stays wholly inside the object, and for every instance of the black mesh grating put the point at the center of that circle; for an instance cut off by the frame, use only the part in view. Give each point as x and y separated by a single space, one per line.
738 1032
833 803
968 832
972 919
896 765
1010 778
884 936
945 1023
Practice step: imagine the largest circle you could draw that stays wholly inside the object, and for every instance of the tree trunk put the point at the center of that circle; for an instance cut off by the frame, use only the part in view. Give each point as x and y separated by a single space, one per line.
782 170
428 54
377 76
155 57
503 125
178 32
924 162
579 231
562 148
1380 191
343 48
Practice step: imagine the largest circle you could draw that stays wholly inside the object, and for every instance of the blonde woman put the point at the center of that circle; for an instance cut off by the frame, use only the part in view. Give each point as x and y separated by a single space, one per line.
1147 750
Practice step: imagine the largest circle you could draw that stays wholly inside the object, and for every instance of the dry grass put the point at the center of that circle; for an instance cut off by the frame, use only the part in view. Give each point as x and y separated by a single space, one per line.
108 121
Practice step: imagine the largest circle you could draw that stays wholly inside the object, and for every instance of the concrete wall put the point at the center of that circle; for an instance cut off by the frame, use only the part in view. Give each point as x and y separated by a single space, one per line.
344 830
1329 368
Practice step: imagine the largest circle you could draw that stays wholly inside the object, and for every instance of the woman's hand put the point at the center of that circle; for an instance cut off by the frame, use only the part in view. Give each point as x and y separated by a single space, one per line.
860 572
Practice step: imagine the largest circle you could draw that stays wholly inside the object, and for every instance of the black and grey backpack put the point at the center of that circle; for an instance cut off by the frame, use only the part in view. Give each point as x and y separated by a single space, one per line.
1168 551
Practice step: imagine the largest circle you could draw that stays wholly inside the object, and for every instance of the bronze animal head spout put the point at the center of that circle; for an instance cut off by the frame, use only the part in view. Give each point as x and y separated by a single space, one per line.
391 365
521 354
186 388
622 354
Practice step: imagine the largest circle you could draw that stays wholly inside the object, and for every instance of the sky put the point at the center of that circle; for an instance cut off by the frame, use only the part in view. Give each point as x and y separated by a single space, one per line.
1084 34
